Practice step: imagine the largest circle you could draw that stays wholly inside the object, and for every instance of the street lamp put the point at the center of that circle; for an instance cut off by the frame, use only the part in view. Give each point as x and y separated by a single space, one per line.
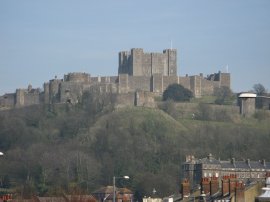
125 177
1 154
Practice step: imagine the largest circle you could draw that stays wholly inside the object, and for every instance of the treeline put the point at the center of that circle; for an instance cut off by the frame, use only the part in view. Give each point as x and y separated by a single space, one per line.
61 148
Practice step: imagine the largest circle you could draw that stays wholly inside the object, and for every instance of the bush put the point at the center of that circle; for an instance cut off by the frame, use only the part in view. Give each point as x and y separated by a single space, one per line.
177 92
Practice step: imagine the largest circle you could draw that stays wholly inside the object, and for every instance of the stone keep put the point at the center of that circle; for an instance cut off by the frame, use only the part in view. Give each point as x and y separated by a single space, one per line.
138 63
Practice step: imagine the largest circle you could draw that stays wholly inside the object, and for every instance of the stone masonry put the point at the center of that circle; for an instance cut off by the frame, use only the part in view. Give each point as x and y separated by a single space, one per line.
137 72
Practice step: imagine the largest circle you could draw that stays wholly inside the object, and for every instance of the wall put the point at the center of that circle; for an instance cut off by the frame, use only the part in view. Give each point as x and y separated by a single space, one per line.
138 63
167 80
54 86
145 99
139 83
77 77
157 84
195 86
247 106
70 92
123 100
7 100
123 83
31 98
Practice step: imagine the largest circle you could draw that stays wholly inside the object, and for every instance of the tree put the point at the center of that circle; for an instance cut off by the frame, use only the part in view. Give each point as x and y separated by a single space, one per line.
223 94
259 89
177 92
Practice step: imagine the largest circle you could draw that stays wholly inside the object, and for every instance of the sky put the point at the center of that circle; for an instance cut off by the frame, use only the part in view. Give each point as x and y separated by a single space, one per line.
43 39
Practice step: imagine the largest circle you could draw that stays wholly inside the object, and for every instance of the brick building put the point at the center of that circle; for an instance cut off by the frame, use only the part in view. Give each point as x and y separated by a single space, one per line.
246 170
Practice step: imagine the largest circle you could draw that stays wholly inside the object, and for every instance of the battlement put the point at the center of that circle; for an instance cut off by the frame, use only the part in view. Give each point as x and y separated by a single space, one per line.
138 63
77 77
137 72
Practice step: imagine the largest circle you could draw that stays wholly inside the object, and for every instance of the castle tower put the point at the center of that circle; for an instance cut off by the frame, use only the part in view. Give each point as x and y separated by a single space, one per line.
19 101
46 93
54 86
172 61
138 63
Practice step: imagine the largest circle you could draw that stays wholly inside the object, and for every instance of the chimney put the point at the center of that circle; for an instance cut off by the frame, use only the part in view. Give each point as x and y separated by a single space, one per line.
232 182
205 184
233 161
240 191
185 188
225 185
214 185
263 162
248 162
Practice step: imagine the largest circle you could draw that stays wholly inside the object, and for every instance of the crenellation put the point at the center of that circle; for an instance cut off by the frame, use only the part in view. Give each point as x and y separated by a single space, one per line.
138 63
77 77
137 71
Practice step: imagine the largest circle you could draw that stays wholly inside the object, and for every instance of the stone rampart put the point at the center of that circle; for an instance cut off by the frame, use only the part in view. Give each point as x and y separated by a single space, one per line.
139 83
138 71
77 77
184 81
7 101
168 80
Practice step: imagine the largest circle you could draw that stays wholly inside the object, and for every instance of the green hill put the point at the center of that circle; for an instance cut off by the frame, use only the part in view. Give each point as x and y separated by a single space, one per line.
51 149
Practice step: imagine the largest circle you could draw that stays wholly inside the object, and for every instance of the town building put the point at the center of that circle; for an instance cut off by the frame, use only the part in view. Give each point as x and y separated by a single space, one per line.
246 170
105 194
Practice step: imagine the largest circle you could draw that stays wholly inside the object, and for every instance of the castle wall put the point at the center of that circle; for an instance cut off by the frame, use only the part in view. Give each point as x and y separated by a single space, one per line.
137 61
77 77
31 98
46 97
19 97
70 92
208 86
123 83
152 72
168 80
195 86
7 100
101 88
124 63
159 64
126 99
225 79
139 83
184 81
54 90
146 64
157 83
172 61
145 99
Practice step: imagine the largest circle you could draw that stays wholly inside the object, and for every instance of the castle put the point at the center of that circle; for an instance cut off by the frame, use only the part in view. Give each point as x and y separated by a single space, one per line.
140 75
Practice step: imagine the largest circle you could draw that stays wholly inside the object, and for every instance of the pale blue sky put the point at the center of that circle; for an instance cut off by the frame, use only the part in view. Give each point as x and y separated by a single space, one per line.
41 39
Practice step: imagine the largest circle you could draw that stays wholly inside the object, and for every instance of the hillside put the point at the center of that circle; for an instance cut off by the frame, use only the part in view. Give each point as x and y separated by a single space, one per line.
50 149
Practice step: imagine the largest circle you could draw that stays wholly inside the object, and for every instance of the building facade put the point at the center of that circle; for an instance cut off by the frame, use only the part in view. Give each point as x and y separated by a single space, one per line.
246 170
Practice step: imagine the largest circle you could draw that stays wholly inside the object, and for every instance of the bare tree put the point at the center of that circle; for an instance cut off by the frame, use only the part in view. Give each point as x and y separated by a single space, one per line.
259 89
